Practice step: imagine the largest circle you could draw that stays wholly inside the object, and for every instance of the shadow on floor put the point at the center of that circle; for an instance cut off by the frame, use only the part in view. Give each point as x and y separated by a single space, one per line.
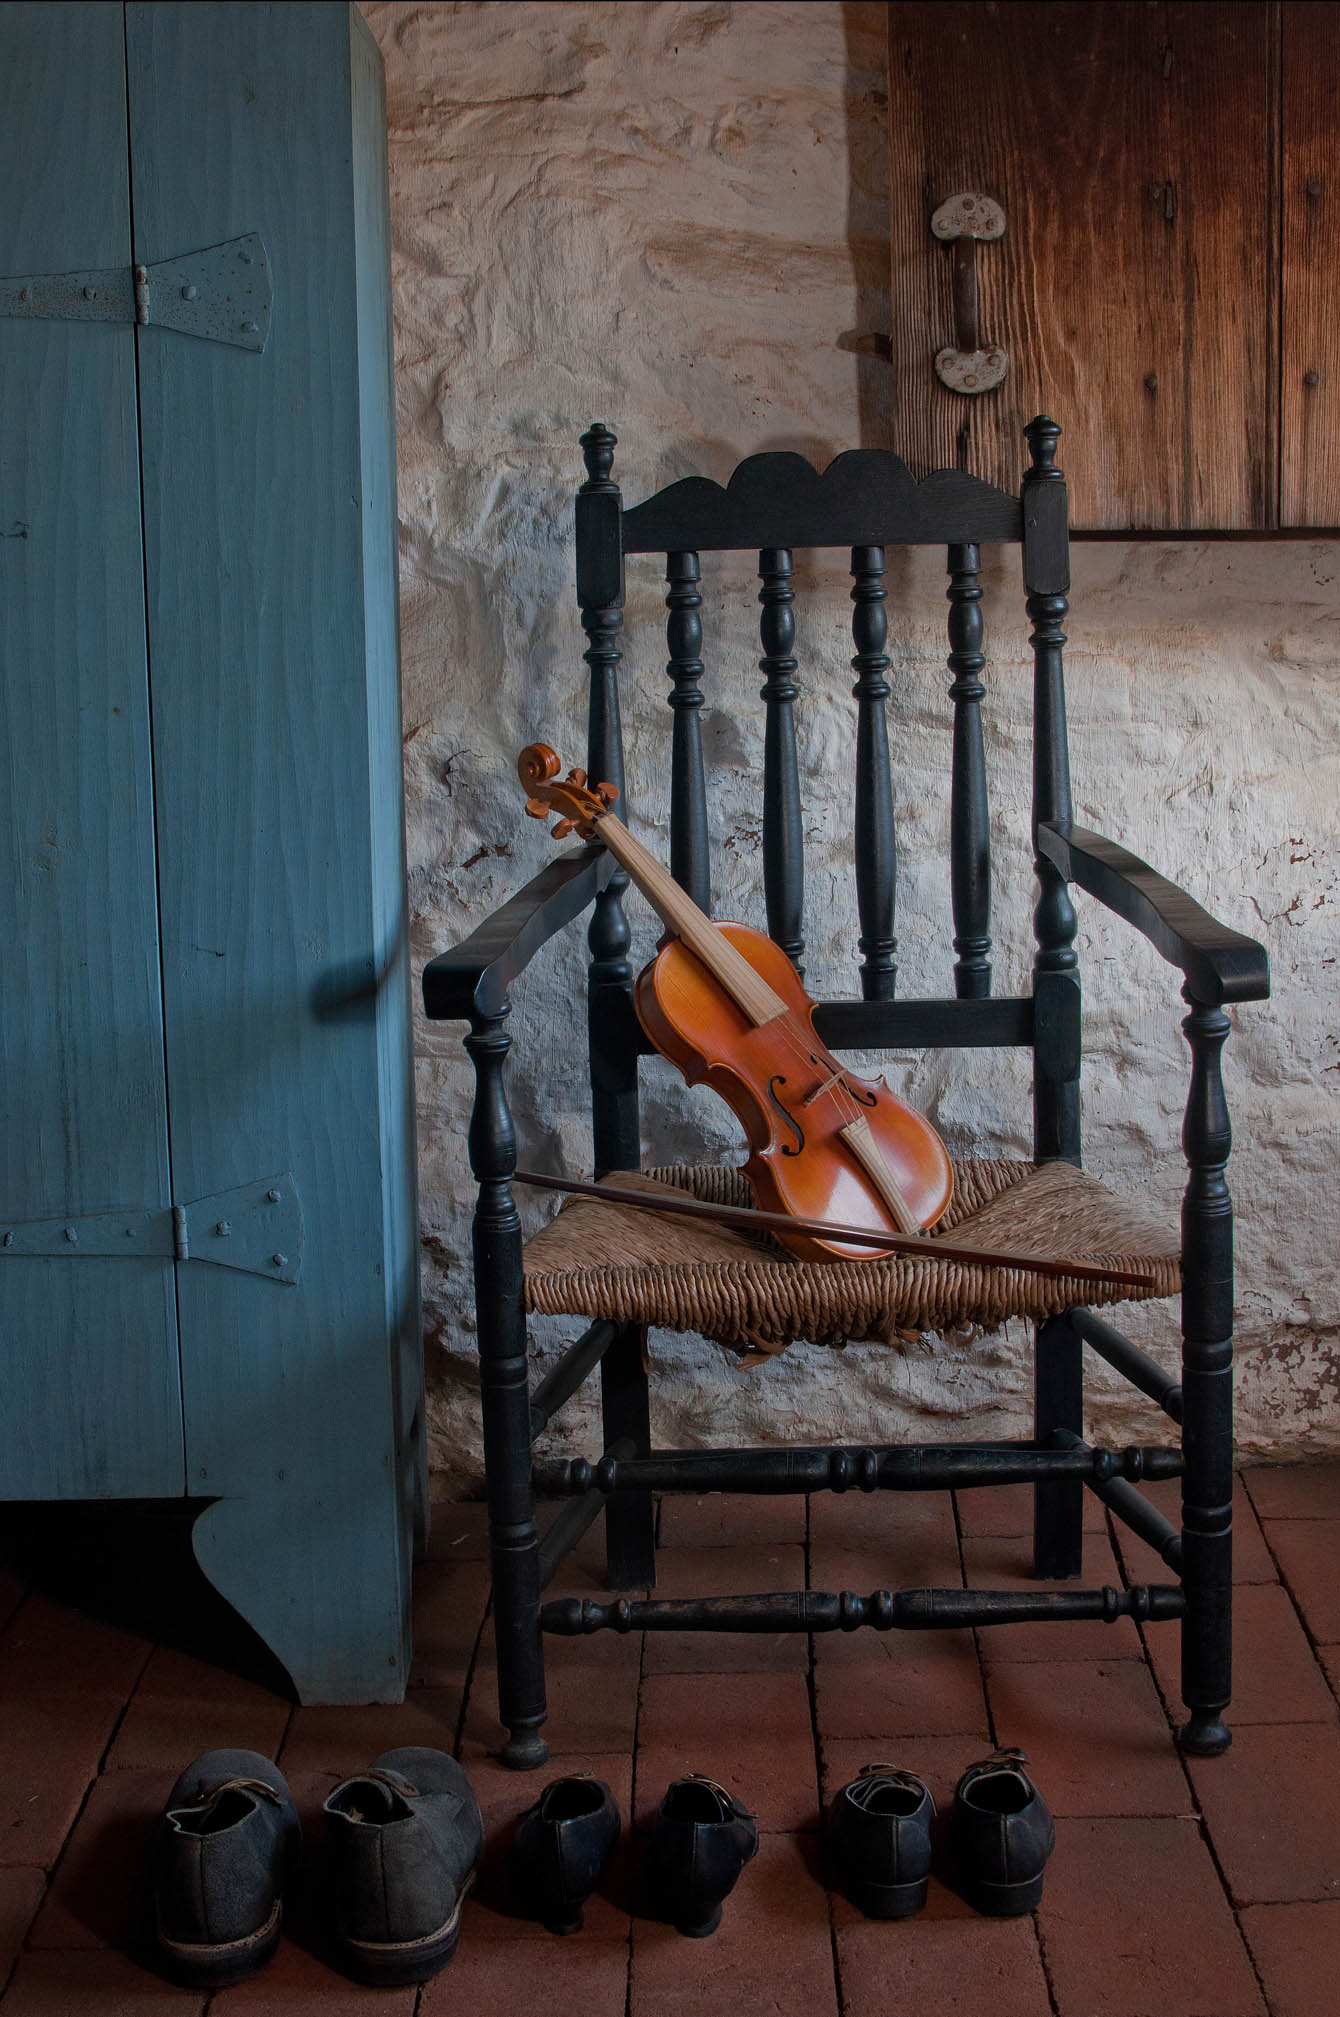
130 1563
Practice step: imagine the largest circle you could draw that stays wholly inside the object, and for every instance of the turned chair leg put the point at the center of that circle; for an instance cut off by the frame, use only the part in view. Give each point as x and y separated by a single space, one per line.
1058 1403
630 1541
1207 1393
505 1403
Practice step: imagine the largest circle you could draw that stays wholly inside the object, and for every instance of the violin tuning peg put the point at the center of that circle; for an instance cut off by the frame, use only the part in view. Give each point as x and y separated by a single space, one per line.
537 808
563 829
577 777
607 793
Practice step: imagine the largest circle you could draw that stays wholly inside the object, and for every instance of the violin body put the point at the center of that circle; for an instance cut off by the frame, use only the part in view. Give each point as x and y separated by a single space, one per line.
726 1005
773 1078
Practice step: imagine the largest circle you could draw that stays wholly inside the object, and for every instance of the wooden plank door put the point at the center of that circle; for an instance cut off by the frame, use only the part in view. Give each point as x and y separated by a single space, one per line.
92 1400
1132 147
269 498
1310 267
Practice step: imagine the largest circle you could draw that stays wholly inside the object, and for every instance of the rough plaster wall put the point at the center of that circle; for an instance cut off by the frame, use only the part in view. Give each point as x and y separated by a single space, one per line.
667 216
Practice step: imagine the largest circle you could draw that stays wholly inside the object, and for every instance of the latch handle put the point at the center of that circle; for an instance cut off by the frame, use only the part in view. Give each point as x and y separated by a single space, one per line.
967 365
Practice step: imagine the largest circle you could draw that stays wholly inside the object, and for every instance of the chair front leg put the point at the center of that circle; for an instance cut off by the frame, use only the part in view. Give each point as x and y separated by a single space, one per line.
1058 1403
1207 1386
505 1401
630 1539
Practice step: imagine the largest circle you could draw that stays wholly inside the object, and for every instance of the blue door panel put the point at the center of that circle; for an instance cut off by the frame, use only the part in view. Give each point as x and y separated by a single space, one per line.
92 1397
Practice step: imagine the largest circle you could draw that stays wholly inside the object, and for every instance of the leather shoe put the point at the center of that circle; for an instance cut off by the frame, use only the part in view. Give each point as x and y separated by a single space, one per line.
228 1841
701 1841
1001 1834
561 1848
405 1839
880 1841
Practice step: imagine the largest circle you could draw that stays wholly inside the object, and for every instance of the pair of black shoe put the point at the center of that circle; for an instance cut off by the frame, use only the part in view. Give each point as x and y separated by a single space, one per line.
1000 1835
404 1840
701 1841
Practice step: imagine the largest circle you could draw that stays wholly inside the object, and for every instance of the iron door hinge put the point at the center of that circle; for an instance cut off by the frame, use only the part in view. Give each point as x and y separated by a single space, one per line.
256 1227
222 294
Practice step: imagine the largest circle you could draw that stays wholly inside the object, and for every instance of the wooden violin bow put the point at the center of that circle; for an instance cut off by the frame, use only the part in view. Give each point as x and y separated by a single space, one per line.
916 1247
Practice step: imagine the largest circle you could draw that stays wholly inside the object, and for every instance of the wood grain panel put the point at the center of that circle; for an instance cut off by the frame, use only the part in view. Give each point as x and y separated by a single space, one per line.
1130 145
92 1403
1310 267
271 595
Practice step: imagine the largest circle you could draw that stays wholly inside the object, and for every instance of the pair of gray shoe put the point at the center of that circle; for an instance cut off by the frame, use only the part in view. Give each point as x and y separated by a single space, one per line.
404 1842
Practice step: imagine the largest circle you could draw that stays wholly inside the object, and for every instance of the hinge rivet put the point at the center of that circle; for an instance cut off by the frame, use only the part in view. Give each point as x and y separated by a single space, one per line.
222 1229
279 1260
274 1196
25 294
90 294
9 1239
72 1236
190 294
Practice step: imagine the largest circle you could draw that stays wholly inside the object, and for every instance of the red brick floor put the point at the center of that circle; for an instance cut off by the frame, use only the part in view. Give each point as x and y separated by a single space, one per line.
1205 1889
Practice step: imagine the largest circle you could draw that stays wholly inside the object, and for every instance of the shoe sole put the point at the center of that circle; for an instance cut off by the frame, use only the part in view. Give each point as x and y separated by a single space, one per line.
1003 1901
889 1901
218 1964
394 1964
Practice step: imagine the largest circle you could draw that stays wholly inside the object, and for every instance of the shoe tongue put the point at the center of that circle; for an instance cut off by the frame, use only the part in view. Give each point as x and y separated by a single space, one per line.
699 1799
223 1807
998 1784
375 1798
571 1799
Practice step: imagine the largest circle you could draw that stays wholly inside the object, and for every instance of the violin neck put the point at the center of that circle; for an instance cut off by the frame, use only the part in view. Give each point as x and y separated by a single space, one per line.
682 918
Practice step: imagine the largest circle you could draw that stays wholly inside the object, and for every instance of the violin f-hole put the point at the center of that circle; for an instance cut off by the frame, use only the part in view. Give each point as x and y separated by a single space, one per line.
779 1079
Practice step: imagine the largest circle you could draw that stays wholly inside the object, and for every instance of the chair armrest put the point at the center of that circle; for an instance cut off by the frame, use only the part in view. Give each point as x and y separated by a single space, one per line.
472 978
1220 965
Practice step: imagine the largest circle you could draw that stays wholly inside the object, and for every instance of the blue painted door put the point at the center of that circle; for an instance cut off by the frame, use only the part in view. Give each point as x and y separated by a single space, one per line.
92 1391
275 1007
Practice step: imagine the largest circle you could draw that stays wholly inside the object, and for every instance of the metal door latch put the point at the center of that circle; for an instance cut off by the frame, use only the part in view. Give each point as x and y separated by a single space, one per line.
256 1227
966 365
222 294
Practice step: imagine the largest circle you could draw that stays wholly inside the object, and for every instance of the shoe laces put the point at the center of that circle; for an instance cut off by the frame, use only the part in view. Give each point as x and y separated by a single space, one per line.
898 1775
1008 1758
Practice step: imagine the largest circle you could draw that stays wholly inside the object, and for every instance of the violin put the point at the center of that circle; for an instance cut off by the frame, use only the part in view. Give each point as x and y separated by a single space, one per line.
727 1007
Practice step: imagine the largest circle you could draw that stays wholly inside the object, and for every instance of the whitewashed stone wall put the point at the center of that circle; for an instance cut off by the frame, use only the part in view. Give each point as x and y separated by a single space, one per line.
670 217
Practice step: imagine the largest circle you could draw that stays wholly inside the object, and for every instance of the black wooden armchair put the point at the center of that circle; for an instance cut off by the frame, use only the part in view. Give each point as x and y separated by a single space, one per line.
864 501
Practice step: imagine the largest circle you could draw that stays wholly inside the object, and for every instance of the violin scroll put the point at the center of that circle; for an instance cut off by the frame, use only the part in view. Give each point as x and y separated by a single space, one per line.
578 806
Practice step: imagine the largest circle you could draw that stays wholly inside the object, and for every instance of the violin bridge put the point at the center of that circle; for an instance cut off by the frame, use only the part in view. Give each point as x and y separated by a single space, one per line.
866 1150
819 1091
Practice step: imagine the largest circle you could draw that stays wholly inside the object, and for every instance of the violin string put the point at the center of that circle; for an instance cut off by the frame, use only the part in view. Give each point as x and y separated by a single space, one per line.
803 1049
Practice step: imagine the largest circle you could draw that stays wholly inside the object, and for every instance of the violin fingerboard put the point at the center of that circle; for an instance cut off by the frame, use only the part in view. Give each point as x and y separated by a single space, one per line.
783 831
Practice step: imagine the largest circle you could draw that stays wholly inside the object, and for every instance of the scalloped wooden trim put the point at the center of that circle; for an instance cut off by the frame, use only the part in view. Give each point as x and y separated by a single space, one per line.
867 497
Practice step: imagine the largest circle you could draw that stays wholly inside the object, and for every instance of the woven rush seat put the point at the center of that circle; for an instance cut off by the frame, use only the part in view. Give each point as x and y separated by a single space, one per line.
635 1266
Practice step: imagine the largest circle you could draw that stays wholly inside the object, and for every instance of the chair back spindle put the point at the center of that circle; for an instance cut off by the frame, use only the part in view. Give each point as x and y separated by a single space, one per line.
1056 1004
969 820
783 842
689 851
600 593
876 846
